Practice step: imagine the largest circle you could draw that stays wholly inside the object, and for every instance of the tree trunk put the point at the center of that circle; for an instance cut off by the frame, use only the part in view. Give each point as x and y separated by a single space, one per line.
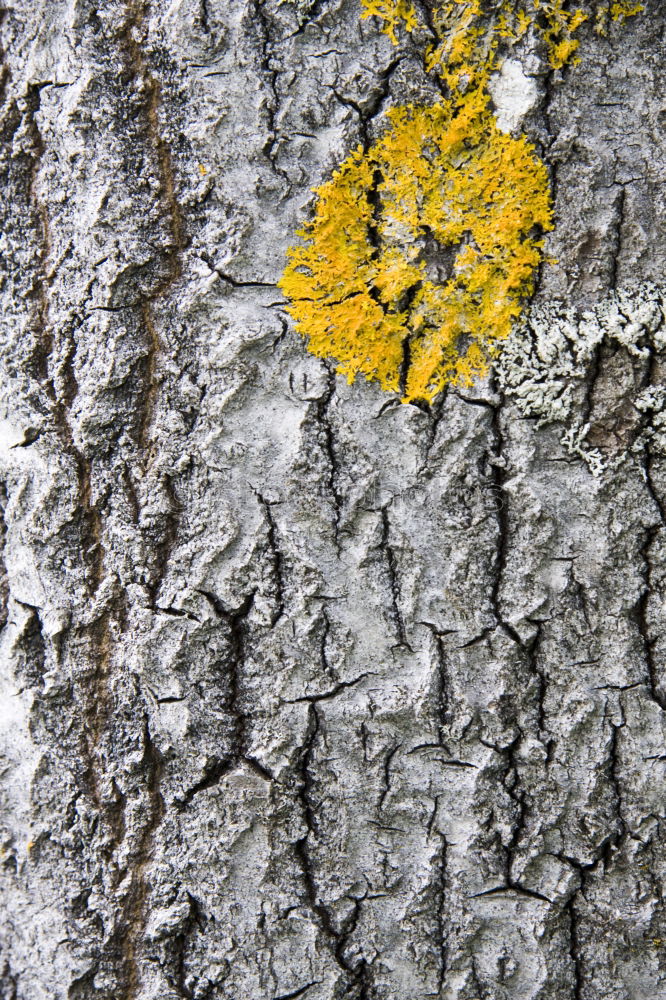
306 692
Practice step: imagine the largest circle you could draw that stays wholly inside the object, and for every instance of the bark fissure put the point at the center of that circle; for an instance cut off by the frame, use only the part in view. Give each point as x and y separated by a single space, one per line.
237 622
356 974
136 905
386 548
616 251
139 70
373 106
195 920
276 560
498 476
271 76
332 693
641 618
92 527
172 265
386 774
440 885
574 950
442 694
321 410
301 991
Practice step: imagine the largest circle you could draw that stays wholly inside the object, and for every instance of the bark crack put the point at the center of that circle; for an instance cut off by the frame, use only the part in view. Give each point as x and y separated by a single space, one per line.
510 780
321 411
574 949
94 693
616 250
277 559
333 692
442 692
375 105
195 919
356 974
217 768
301 991
91 521
138 69
641 619
440 887
498 475
386 773
271 76
386 548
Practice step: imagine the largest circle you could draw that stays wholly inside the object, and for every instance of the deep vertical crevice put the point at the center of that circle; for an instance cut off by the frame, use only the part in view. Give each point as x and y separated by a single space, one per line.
171 261
393 579
322 413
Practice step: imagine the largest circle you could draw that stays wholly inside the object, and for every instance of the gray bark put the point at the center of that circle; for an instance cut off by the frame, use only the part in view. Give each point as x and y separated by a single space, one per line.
306 692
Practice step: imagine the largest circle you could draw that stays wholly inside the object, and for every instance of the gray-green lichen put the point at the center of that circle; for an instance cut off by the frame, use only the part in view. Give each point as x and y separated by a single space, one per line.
550 357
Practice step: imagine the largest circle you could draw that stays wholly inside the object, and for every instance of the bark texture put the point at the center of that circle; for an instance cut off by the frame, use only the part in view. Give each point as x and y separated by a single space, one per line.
307 693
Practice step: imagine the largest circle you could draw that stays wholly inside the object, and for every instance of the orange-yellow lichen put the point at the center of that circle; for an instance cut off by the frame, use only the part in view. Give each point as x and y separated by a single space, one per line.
394 13
423 247
469 31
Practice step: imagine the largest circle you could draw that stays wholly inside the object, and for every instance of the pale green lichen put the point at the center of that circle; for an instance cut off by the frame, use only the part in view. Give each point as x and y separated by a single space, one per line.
545 362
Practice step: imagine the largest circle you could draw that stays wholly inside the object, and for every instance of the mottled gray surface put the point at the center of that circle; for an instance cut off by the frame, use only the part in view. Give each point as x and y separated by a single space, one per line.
306 692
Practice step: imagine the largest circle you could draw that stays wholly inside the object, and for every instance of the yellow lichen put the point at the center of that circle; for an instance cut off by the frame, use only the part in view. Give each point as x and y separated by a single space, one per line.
422 248
622 10
469 31
394 14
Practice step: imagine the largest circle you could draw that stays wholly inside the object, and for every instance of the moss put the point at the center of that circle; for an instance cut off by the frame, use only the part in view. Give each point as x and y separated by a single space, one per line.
422 248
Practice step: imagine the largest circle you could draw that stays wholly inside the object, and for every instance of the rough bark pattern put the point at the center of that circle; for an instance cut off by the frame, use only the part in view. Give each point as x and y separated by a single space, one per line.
306 692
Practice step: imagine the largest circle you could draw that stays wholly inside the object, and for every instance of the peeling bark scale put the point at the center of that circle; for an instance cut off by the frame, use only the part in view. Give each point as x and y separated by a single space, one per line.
306 692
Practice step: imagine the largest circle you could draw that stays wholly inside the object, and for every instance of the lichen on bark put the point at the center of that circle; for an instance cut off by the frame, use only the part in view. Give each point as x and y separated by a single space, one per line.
421 249
306 693
442 183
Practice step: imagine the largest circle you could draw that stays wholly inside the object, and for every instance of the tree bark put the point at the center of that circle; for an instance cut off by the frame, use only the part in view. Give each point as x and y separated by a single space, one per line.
305 692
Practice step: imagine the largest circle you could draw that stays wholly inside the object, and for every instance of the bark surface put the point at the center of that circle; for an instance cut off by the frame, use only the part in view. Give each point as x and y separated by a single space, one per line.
305 692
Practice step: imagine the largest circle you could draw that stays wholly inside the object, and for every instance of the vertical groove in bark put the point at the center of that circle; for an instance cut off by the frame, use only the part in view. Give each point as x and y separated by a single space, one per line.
136 904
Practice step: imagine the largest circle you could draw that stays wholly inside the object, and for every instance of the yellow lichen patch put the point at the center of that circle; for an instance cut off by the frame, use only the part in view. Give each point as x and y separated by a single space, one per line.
607 12
394 13
469 31
622 10
421 249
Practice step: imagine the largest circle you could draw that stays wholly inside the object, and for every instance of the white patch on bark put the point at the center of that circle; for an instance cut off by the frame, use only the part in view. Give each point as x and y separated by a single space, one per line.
514 95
